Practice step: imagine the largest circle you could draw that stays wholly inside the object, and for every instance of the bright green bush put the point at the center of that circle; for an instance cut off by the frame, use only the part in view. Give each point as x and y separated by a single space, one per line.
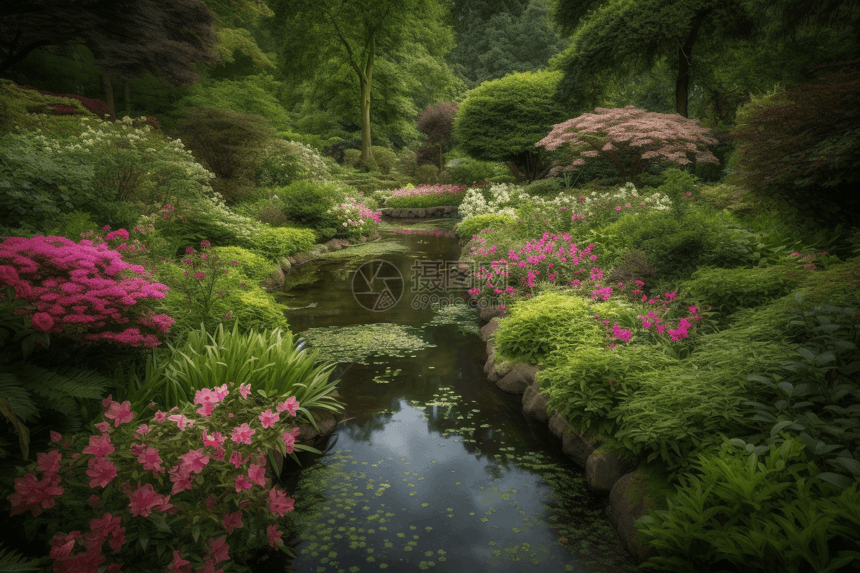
726 290
473 225
276 242
251 265
308 202
501 120
552 323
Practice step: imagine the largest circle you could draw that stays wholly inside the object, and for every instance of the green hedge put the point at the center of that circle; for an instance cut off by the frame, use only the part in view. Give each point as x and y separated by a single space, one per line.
276 242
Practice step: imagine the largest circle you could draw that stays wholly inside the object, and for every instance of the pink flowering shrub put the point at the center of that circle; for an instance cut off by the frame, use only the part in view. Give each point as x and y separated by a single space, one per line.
84 290
177 491
426 196
631 139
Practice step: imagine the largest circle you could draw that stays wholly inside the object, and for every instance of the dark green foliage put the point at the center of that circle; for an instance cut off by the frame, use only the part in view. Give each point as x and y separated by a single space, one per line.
384 158
501 120
801 144
308 202
632 265
275 243
498 38
228 143
818 400
753 509
544 187
468 171
726 290
677 246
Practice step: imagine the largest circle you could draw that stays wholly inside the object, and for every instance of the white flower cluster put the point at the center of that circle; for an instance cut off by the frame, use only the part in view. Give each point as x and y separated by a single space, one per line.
219 216
504 198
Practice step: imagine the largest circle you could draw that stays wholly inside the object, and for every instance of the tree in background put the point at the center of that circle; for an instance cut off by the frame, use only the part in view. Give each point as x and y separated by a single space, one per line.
802 144
621 36
437 123
502 120
351 33
128 39
497 38
631 139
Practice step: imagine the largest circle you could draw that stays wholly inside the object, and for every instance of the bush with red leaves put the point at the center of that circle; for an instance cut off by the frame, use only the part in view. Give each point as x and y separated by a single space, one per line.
96 106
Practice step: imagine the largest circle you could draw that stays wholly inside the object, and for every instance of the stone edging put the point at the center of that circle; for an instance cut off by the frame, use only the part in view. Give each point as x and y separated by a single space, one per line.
446 211
628 489
275 280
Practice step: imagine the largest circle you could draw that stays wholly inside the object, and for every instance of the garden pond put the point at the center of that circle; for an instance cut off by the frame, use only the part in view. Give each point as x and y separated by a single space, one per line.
434 467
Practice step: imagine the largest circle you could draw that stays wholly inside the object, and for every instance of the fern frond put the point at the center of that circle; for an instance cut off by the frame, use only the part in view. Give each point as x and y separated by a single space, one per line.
20 428
64 383
20 401
11 560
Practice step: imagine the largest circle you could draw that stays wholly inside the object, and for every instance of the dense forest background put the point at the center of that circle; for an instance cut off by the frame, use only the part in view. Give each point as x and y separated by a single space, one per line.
354 75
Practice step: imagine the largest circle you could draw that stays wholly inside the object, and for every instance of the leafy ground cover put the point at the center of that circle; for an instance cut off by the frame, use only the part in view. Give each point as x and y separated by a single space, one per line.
681 332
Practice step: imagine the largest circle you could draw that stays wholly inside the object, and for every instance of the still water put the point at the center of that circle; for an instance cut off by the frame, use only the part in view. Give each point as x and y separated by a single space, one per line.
435 468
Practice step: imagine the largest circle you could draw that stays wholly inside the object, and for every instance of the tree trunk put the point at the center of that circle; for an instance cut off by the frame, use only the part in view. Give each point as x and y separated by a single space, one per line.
108 91
127 100
366 78
685 59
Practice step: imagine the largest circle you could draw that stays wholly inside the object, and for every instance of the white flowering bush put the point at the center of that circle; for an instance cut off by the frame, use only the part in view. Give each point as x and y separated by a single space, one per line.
283 162
354 218
114 170
504 198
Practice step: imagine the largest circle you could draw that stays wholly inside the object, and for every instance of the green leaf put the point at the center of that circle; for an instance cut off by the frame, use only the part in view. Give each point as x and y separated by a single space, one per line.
195 533
839 480
143 536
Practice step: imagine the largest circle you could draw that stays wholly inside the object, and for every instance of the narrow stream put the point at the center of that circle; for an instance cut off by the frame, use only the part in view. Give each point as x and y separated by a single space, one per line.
435 468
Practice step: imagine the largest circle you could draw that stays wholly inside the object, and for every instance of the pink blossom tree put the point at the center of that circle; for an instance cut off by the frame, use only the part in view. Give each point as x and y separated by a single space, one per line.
631 139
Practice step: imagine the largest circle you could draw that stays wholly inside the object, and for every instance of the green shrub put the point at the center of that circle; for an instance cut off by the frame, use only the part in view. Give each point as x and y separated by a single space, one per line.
406 163
309 202
254 309
551 323
587 382
351 157
230 144
253 266
473 225
544 187
276 242
467 171
426 174
726 290
424 201
385 158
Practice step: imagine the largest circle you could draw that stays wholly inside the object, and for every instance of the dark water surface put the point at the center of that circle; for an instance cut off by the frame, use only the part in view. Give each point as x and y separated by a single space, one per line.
436 468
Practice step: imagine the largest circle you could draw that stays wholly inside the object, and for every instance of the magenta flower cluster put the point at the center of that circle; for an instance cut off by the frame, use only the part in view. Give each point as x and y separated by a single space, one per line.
121 458
84 289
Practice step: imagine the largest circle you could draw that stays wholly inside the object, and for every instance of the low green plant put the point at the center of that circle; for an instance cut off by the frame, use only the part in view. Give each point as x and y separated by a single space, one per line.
385 158
726 290
351 157
473 225
277 242
818 400
753 509
468 171
270 361
425 201
544 187
426 174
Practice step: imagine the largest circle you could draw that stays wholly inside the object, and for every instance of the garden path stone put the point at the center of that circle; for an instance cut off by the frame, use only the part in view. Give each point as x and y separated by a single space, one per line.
535 403
488 329
603 470
578 446
629 500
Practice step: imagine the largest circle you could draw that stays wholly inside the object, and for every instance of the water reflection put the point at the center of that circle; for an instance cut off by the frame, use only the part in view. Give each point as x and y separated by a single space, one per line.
437 468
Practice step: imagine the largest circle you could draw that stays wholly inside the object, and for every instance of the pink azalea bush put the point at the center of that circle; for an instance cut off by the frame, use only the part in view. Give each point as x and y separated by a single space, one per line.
190 483
437 189
355 217
84 290
631 139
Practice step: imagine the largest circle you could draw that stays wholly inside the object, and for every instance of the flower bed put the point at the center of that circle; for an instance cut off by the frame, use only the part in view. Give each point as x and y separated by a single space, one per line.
424 196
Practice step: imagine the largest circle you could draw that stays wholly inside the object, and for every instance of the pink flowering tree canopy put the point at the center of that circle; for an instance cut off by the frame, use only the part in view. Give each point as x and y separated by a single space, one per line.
631 138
